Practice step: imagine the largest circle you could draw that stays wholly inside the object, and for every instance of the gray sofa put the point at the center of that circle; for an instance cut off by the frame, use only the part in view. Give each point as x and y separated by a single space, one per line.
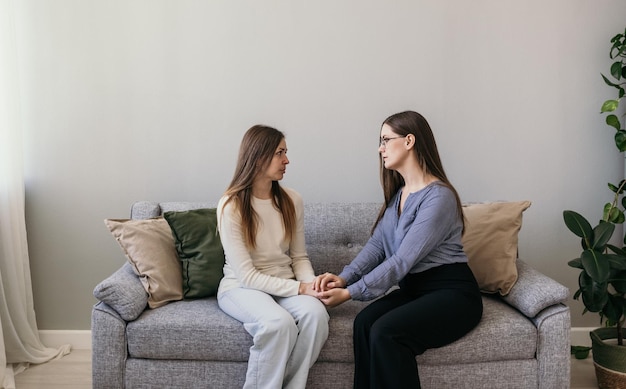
522 340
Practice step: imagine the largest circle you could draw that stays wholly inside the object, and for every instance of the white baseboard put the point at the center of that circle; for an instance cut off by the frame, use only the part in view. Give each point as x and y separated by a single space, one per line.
79 339
580 336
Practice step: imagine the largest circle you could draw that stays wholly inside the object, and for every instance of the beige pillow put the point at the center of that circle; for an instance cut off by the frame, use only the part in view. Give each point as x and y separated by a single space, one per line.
490 242
149 247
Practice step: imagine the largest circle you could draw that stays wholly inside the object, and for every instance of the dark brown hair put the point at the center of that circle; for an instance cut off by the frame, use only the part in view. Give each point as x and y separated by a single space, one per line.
425 149
256 151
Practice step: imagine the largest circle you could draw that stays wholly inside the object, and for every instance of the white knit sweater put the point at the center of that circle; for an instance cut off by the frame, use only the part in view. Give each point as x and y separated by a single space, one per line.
276 266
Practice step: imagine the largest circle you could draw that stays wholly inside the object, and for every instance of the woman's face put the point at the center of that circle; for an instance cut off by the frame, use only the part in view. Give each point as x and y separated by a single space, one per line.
392 148
278 164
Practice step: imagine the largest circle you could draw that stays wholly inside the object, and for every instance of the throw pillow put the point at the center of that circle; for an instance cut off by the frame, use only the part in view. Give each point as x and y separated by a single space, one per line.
123 292
199 249
490 242
149 247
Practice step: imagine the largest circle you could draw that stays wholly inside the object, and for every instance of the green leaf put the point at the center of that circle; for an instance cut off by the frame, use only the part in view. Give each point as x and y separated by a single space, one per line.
616 70
609 106
609 82
621 252
602 234
613 309
594 294
616 216
576 223
613 121
577 263
618 280
617 262
596 265
620 140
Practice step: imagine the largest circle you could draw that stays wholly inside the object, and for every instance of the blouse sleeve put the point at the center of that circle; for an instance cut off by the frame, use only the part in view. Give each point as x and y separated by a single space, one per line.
372 254
433 222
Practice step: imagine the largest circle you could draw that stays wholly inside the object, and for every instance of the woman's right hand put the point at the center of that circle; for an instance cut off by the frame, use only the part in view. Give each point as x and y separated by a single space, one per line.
328 281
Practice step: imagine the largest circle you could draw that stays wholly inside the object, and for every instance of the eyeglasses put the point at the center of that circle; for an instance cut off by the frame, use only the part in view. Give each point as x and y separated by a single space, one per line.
383 141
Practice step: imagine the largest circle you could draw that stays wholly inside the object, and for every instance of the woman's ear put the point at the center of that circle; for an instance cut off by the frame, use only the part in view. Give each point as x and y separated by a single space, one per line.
410 141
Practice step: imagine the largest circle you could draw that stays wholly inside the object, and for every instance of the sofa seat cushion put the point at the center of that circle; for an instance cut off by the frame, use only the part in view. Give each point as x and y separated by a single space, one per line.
188 329
199 330
502 334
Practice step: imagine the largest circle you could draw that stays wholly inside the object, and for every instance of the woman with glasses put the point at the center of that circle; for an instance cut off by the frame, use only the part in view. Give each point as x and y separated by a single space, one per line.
415 244
267 283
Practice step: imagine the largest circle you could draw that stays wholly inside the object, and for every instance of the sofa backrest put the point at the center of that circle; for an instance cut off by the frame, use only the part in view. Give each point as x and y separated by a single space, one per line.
334 232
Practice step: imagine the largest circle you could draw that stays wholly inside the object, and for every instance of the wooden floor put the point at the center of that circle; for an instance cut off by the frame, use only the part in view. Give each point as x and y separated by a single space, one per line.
74 372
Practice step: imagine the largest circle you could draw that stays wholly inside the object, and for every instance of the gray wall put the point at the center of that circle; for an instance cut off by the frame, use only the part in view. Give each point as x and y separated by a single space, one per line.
148 100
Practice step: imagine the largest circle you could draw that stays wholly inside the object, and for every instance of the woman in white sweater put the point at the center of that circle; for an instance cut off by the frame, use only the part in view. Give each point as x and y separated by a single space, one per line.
268 277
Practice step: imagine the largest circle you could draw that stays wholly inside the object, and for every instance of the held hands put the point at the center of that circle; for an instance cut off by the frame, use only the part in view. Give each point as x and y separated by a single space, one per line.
330 289
328 281
334 297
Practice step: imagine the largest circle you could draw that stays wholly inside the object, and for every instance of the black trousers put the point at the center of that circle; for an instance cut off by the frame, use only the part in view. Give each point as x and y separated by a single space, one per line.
431 309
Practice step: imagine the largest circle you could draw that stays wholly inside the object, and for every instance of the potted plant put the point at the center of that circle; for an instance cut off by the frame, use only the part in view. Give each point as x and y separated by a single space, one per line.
602 279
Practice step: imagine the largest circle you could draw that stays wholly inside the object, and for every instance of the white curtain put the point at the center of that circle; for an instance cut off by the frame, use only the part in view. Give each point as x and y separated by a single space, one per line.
20 342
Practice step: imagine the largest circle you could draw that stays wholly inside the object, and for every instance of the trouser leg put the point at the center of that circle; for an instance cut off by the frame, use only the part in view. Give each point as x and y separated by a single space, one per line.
433 320
434 310
363 324
273 330
311 318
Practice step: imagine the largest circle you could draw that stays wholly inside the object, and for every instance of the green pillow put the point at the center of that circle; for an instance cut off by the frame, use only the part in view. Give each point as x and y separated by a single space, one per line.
199 249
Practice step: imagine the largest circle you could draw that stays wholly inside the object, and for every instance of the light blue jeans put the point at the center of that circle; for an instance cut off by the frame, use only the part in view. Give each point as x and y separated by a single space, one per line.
288 334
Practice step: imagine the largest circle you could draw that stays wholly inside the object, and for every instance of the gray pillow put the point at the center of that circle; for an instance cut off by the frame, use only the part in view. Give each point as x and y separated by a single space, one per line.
124 292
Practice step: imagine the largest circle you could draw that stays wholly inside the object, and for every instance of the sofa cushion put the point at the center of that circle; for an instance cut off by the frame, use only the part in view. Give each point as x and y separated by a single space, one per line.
502 334
164 333
199 249
188 329
335 233
149 247
490 242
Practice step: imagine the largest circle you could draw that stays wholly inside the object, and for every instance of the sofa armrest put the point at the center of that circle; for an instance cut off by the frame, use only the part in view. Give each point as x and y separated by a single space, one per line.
123 292
108 347
534 291
553 347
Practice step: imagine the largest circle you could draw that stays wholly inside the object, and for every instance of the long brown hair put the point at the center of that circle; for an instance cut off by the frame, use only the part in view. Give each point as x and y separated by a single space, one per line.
256 151
425 150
